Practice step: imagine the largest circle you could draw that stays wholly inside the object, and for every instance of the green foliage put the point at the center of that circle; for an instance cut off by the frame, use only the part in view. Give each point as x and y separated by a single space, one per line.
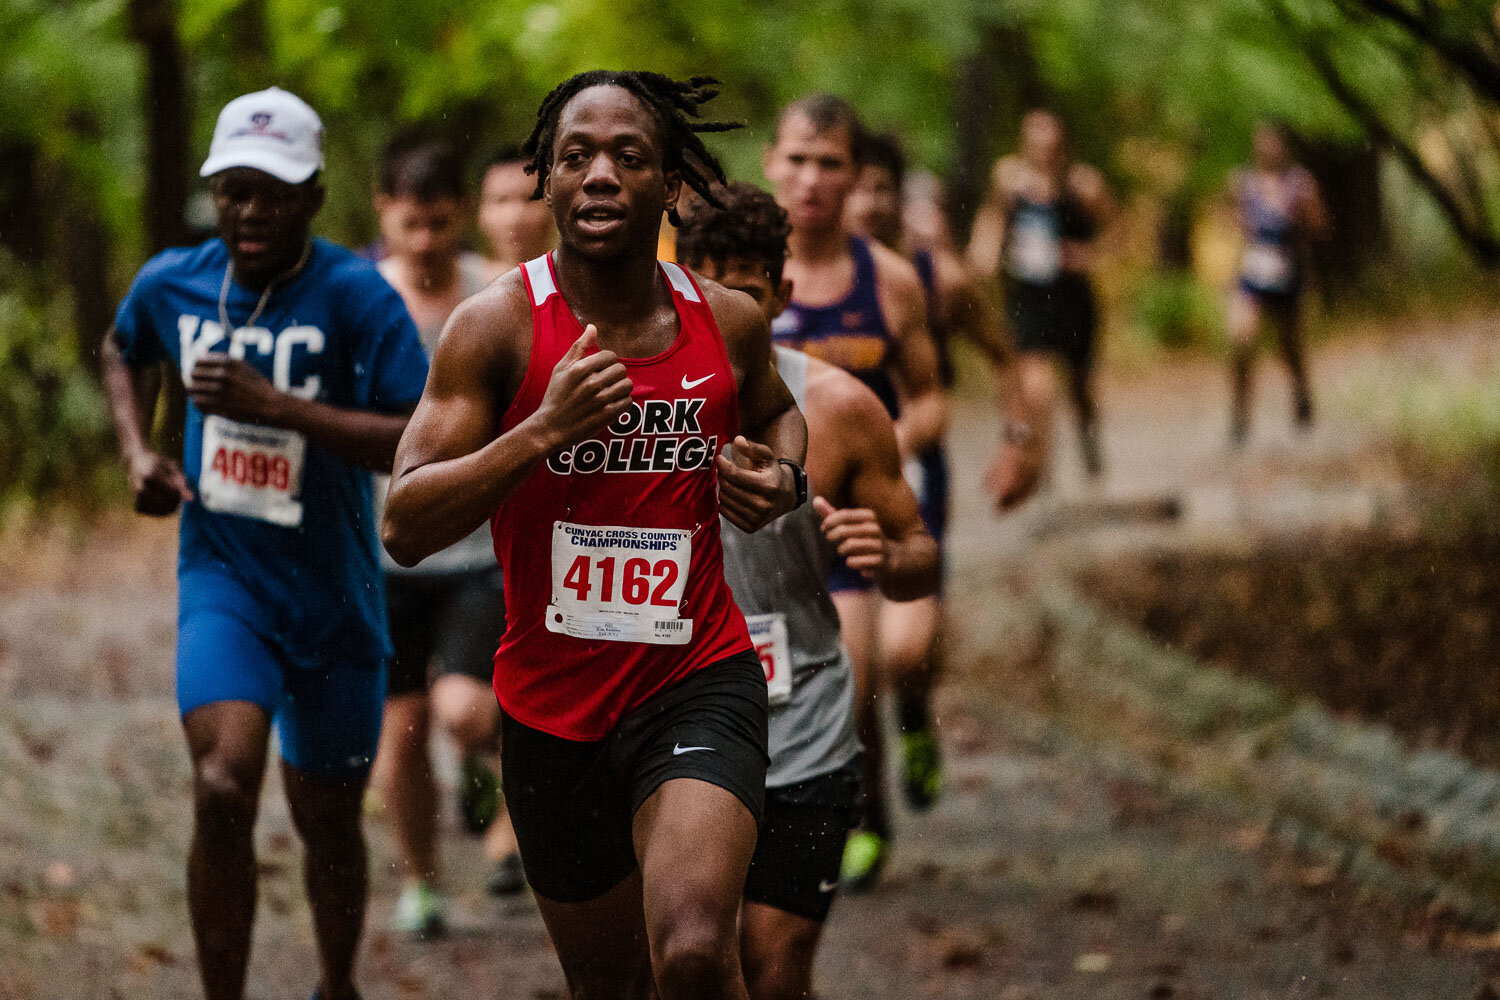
1176 311
57 442
1161 93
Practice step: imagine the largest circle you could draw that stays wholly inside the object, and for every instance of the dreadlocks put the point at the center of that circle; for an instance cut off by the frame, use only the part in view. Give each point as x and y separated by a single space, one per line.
676 105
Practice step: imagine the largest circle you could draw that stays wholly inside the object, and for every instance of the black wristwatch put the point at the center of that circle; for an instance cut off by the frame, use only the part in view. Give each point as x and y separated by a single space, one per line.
799 479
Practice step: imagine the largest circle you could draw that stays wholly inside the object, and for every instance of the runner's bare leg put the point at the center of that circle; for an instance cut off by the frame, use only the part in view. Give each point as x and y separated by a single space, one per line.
227 741
692 897
326 814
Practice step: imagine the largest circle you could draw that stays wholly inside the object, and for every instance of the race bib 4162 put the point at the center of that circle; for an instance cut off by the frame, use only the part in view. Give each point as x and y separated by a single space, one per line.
620 584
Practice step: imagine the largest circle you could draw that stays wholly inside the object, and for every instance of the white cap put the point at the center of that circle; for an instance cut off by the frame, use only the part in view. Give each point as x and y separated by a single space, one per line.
271 130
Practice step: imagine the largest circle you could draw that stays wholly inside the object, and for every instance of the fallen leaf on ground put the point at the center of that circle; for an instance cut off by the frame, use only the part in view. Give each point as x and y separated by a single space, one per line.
1317 876
962 948
59 875
1250 838
1095 901
156 953
58 917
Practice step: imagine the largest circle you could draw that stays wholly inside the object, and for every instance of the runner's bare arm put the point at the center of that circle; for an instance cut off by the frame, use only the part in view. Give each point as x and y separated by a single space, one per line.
987 237
970 312
157 481
453 468
1314 212
1016 470
1090 188
234 389
879 531
755 488
924 409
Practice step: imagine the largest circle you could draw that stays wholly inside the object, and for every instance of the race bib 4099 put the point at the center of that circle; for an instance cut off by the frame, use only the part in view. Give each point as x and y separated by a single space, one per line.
252 471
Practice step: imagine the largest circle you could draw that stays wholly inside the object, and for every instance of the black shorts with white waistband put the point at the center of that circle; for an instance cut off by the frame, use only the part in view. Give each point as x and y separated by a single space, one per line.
573 802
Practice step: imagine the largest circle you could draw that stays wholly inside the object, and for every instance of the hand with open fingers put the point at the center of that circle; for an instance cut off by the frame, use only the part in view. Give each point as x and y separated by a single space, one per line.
587 390
855 533
233 388
157 482
1014 475
754 488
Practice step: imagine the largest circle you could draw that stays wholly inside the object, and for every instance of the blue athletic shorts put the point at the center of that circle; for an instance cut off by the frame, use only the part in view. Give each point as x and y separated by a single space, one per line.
928 478
327 718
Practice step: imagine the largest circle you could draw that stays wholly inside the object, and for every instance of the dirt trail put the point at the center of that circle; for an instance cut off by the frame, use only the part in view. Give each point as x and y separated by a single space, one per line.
1042 874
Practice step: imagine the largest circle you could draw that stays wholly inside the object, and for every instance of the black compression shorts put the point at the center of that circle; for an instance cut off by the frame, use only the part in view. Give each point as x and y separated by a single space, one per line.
572 802
1060 318
796 862
443 624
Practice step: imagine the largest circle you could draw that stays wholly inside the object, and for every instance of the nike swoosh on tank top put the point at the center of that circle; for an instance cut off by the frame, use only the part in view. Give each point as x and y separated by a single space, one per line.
614 571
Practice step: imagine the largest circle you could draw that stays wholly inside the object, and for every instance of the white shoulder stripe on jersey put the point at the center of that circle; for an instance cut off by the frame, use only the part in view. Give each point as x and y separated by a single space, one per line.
792 366
680 281
540 276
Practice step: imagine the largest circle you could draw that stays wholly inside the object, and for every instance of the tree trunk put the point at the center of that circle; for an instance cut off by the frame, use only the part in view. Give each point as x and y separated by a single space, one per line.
77 254
997 84
24 231
1349 179
153 23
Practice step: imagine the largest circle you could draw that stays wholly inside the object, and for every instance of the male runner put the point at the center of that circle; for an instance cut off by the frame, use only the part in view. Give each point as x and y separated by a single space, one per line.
1281 212
446 615
779 576
859 306
301 364
1039 225
955 304
580 402
908 215
516 226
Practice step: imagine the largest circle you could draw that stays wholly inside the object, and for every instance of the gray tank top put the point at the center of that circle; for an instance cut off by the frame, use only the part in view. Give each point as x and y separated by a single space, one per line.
475 552
782 570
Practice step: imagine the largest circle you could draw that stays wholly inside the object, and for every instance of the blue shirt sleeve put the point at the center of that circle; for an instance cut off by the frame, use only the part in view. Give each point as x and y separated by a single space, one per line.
140 342
390 365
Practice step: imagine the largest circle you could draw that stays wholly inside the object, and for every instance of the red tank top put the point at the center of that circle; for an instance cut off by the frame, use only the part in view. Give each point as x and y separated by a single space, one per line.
614 575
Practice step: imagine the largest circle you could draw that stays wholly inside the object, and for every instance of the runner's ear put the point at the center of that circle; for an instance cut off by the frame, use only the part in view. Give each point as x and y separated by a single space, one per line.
781 297
672 185
316 193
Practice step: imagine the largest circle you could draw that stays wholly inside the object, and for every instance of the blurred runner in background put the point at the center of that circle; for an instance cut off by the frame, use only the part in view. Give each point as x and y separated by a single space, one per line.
448 613
1038 226
955 305
301 365
515 226
864 512
1280 212
859 306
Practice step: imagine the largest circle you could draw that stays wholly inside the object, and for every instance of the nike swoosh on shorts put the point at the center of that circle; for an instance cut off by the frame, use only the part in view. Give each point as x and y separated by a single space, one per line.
679 749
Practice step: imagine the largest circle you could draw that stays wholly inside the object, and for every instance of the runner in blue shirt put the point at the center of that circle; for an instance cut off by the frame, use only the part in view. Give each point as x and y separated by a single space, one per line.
301 366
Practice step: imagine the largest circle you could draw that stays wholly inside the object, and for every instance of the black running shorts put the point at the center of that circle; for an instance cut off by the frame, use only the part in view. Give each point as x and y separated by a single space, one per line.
572 802
448 623
1060 318
796 862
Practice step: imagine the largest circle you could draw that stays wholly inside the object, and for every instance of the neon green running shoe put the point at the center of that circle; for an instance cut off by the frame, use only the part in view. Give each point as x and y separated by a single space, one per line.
478 795
921 769
864 856
421 912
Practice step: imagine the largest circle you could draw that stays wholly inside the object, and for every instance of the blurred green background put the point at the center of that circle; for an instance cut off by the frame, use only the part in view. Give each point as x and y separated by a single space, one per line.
106 107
